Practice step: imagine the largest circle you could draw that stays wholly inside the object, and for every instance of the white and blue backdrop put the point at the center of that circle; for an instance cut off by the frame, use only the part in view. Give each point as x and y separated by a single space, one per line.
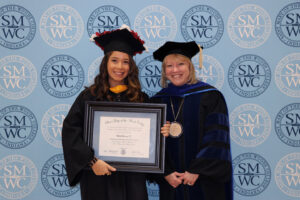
251 53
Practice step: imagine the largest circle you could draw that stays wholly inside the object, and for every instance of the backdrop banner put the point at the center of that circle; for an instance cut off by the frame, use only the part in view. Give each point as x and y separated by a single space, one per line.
251 53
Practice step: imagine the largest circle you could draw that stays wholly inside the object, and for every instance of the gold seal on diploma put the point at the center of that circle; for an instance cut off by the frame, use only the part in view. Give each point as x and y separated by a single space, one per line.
175 129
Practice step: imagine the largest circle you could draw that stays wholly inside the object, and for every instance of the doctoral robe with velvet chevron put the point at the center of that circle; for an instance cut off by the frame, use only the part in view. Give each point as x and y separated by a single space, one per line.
204 146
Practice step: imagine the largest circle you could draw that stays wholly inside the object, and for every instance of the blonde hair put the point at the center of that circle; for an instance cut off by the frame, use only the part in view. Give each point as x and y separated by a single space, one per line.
192 76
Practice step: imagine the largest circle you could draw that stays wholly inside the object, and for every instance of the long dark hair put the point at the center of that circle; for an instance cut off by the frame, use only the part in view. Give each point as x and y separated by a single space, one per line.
100 88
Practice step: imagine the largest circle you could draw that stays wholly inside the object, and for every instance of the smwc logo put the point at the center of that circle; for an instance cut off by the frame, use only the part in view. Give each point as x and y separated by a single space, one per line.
52 123
156 24
287 125
251 174
202 24
18 127
62 76
249 26
150 75
249 75
17 27
250 125
18 177
61 26
287 75
54 177
287 174
18 77
106 18
287 25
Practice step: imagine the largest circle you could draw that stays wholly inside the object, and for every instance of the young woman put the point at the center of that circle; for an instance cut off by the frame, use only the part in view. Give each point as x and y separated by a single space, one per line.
198 157
117 81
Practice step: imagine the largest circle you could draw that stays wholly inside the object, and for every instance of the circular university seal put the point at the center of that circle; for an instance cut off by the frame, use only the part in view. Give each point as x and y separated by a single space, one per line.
18 77
249 26
52 122
212 71
251 174
202 24
287 175
62 76
106 18
287 125
249 75
150 75
250 125
61 26
93 69
18 27
155 24
287 75
287 25
18 177
18 127
54 177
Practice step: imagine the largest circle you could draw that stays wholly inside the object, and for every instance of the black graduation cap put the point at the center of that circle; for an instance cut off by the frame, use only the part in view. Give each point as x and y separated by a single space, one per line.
123 39
188 49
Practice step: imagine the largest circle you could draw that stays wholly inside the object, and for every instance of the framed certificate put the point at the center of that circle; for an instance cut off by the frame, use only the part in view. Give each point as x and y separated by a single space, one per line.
127 135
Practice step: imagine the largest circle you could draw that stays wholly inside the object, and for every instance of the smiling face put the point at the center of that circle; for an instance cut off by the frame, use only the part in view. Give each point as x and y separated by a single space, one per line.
118 68
177 69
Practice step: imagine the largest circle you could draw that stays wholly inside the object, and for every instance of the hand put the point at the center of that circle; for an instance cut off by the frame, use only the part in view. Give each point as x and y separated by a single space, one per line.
101 168
165 130
189 178
174 179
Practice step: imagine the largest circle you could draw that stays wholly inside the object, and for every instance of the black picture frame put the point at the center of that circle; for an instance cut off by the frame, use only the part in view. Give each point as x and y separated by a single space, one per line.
124 113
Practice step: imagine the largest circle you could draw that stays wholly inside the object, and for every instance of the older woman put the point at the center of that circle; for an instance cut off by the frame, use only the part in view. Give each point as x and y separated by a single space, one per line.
198 157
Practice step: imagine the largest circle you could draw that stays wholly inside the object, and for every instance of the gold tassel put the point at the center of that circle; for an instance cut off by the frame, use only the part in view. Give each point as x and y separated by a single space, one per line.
200 57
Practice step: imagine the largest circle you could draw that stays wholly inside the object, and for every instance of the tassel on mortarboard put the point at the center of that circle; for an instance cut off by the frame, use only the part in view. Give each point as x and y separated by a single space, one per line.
200 57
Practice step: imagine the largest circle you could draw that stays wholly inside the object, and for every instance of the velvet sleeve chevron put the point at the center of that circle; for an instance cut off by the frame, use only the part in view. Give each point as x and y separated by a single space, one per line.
213 159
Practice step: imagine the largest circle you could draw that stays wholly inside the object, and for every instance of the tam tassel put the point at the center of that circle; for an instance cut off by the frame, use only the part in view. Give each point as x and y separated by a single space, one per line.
200 57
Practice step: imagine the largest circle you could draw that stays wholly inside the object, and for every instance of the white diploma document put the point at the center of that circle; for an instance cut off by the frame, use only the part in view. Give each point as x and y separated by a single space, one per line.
124 137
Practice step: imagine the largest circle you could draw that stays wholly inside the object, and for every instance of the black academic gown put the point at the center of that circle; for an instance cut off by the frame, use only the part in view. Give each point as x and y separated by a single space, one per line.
77 154
204 146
